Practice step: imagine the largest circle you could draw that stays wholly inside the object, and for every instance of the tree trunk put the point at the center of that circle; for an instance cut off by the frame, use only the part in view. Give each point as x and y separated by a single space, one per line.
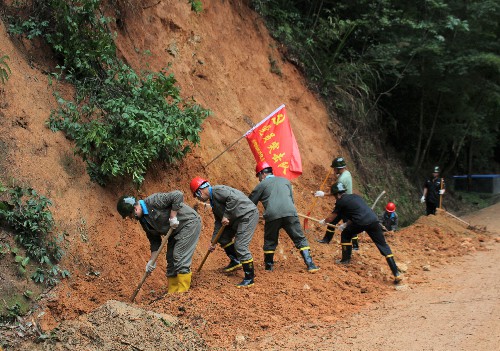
431 133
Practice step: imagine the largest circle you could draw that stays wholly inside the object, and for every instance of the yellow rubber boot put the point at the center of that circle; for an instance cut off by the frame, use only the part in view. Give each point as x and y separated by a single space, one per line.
173 284
184 282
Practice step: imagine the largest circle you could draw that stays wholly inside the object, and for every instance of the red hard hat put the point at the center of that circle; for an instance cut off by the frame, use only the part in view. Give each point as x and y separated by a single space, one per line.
391 207
260 166
196 182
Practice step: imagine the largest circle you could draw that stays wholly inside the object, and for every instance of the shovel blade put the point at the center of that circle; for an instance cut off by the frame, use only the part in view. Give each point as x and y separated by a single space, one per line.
306 222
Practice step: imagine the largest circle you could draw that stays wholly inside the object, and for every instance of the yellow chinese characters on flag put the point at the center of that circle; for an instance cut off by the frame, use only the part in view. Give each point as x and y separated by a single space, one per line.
272 140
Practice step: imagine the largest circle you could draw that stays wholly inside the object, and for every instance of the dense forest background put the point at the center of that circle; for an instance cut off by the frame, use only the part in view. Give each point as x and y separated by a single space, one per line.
420 76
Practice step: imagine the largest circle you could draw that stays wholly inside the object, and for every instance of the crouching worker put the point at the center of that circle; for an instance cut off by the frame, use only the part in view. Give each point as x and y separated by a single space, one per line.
157 214
389 219
358 217
233 209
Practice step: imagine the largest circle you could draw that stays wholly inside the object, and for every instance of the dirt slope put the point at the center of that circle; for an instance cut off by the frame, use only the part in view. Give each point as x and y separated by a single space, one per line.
220 57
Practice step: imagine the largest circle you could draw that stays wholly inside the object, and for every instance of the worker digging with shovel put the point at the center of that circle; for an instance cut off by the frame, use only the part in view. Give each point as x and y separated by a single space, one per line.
239 215
358 217
157 214
276 196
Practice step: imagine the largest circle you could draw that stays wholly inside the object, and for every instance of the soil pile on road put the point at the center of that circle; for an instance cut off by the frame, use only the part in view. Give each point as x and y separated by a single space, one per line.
282 304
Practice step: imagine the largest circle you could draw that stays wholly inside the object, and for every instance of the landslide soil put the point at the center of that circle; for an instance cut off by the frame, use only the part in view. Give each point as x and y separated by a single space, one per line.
220 57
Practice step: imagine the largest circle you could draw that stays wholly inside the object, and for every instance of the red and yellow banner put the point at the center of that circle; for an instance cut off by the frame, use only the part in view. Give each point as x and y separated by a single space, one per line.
272 140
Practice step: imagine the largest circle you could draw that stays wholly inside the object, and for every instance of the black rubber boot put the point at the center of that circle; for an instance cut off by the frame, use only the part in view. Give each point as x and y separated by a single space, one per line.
269 260
346 254
234 263
306 255
394 269
328 236
355 243
249 275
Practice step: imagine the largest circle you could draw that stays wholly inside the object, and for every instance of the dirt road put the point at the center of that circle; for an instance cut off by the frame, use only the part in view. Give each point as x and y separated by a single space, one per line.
458 308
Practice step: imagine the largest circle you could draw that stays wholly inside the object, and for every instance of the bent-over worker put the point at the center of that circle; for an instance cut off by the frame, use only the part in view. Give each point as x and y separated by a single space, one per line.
157 214
358 217
233 209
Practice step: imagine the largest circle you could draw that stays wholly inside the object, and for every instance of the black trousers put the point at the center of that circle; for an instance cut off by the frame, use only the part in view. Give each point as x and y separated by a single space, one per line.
374 230
430 208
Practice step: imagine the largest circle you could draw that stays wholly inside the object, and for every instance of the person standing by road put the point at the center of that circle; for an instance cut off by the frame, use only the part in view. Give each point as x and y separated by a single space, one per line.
433 190
358 217
276 196
344 177
389 219
233 209
157 214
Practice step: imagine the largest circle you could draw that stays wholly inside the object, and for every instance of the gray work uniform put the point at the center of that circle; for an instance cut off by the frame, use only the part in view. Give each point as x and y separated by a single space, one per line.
182 243
276 196
243 217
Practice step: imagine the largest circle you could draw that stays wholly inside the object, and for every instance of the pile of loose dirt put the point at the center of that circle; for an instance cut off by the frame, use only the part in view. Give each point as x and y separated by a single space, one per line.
117 326
284 302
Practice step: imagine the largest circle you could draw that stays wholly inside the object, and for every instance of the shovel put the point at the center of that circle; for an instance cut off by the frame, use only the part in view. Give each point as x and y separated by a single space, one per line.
378 198
316 220
219 233
163 243
314 200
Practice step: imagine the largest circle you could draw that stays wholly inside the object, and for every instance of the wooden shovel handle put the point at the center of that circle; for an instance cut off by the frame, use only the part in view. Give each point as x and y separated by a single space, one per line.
214 241
320 188
163 243
316 220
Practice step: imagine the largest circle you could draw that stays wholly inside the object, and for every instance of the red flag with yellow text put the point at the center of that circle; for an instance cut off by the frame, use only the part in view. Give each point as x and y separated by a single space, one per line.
272 140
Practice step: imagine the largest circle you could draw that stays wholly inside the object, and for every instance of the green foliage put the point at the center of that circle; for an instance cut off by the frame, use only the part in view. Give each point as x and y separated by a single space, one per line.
139 120
33 224
80 35
31 27
121 121
4 69
13 312
196 5
423 75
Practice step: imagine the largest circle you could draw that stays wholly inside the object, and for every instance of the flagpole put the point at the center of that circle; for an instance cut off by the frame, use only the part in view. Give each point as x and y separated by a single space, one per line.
265 119
244 135
230 146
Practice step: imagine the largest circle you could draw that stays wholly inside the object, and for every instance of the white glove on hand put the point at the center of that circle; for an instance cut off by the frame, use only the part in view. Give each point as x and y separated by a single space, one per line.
422 199
441 192
319 193
342 226
150 266
322 222
174 222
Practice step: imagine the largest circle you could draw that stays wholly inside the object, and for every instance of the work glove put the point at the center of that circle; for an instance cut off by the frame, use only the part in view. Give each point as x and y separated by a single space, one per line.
322 222
211 248
174 222
319 193
342 226
441 192
150 266
422 199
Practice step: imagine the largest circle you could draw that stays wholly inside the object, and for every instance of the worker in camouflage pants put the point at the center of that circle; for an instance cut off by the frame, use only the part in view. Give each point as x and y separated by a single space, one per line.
157 214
